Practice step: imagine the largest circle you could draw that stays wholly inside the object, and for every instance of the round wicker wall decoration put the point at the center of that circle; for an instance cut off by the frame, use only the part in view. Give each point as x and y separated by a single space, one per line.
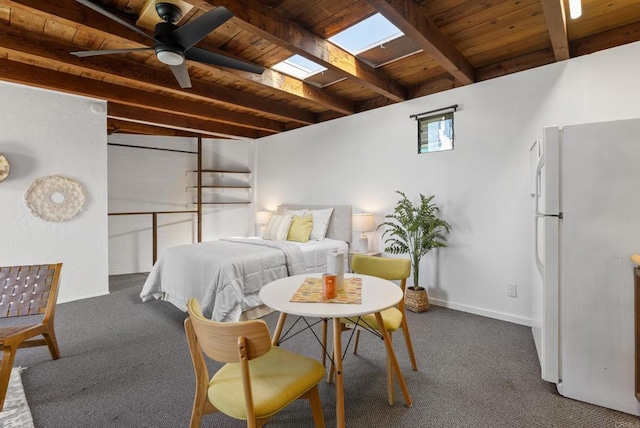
55 198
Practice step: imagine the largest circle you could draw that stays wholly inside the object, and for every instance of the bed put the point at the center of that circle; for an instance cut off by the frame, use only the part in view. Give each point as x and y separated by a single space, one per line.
226 275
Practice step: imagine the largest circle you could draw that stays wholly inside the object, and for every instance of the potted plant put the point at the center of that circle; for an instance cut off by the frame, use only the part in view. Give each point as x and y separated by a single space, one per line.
414 230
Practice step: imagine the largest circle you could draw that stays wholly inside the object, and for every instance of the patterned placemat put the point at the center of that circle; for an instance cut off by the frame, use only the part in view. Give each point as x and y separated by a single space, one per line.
311 292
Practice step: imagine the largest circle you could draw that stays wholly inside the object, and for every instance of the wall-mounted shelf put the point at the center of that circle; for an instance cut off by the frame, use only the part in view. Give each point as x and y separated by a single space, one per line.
246 186
224 203
223 171
237 183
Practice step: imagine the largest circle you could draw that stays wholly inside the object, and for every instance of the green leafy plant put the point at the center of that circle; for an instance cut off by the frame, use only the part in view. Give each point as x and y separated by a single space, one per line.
414 230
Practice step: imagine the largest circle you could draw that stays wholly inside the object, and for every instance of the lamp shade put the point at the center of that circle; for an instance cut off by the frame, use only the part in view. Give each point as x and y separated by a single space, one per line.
263 217
362 222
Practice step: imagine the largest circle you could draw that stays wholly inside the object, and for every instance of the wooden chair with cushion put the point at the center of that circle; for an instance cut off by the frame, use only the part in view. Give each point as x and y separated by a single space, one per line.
394 318
27 290
258 379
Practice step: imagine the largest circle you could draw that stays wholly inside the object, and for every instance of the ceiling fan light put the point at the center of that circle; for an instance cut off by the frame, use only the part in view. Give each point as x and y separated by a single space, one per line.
575 9
170 57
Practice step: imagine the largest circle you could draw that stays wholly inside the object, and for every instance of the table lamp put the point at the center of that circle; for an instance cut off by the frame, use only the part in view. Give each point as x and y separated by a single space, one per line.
262 219
363 223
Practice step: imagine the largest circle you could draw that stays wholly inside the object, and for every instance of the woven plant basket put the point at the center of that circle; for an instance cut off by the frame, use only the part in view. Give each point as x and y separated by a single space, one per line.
416 300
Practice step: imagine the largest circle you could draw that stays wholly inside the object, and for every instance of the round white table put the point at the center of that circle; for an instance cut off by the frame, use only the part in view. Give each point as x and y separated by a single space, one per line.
377 295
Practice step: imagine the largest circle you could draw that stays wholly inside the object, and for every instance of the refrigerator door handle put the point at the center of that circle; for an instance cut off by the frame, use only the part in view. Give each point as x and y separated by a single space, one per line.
537 192
536 219
537 216
536 195
539 263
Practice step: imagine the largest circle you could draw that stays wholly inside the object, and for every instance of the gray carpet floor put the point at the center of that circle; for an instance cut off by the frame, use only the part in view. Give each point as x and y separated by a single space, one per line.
126 364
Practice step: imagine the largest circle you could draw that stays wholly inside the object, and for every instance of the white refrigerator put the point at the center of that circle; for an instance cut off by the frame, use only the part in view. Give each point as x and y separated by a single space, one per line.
586 215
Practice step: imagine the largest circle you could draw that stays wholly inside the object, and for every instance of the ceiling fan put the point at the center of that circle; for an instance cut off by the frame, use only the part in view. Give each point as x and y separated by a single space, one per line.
172 44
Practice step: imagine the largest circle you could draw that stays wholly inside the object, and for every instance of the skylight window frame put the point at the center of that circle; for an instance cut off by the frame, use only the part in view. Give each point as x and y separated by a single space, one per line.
292 65
374 43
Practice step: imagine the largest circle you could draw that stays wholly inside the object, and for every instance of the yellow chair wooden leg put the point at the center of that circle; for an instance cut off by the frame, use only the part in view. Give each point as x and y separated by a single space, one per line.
201 404
316 407
407 339
390 389
258 423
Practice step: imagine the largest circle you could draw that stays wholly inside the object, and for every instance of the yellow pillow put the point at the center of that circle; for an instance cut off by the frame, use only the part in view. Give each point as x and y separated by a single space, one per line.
300 228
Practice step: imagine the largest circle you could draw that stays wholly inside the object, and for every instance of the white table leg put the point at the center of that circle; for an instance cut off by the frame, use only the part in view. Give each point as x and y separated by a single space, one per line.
278 331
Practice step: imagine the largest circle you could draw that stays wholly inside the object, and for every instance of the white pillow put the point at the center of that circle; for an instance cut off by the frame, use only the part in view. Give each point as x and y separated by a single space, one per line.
278 227
300 213
320 223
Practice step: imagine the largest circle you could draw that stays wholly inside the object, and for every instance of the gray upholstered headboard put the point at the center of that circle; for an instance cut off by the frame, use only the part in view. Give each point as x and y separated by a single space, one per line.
339 223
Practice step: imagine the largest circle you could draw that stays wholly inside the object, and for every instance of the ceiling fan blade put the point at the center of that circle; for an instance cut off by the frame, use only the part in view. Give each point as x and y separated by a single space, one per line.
101 10
208 57
83 54
182 75
194 31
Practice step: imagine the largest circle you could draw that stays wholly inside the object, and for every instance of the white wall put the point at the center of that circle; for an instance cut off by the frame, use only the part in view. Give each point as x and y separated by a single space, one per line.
482 186
142 180
46 133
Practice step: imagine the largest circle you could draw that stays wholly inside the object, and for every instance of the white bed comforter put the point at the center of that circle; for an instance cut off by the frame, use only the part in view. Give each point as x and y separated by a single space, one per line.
219 273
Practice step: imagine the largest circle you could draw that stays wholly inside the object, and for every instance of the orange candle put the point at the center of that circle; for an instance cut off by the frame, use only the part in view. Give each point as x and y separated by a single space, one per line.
329 286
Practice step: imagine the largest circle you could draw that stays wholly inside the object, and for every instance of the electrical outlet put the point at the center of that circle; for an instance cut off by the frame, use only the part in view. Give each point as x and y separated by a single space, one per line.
512 290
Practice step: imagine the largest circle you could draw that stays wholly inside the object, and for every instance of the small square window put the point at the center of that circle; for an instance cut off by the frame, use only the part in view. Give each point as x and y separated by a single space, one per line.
435 133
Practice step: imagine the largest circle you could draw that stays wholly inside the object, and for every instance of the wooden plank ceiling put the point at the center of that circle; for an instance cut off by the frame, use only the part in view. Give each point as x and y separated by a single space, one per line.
459 42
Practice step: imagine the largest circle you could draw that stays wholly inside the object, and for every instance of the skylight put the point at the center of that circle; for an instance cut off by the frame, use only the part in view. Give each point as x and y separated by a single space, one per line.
373 31
375 41
298 67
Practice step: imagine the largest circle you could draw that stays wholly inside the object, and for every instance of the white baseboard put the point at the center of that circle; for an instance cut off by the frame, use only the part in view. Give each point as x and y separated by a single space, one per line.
483 312
88 296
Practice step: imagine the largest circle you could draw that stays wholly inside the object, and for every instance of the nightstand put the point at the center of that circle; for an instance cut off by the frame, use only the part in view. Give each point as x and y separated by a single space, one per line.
368 253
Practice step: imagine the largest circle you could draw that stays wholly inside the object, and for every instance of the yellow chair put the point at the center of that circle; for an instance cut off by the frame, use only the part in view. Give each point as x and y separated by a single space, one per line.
258 379
393 318
27 290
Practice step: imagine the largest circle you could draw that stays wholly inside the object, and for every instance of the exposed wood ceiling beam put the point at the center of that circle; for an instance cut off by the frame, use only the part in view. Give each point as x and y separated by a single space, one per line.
373 103
301 89
121 126
514 65
72 13
175 121
49 79
157 78
615 37
472 41
433 86
556 18
412 21
270 25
